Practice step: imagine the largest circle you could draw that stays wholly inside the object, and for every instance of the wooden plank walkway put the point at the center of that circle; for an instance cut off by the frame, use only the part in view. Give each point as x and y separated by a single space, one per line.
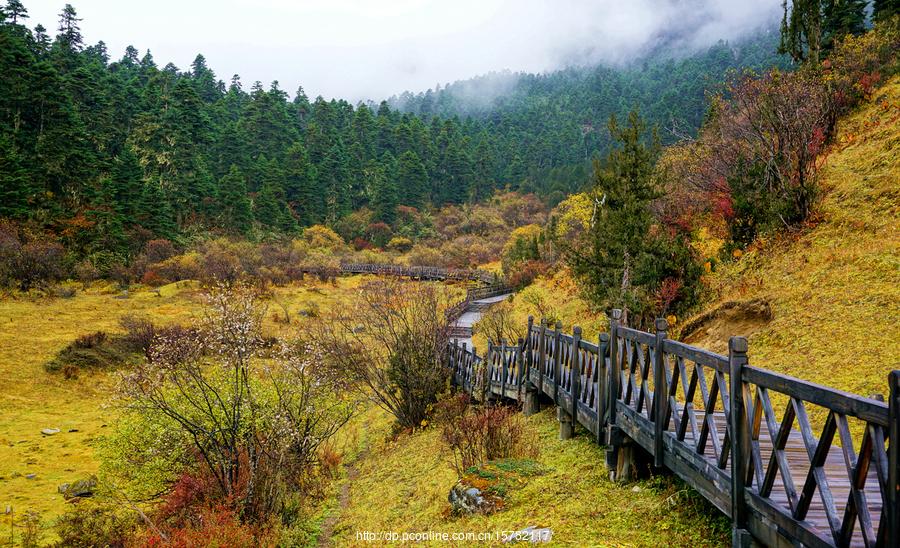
818 466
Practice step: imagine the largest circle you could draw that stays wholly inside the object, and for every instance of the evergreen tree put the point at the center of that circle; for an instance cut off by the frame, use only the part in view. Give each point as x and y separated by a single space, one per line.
15 12
412 180
380 179
271 210
620 251
842 17
156 211
69 32
882 10
334 173
801 30
301 186
14 181
236 215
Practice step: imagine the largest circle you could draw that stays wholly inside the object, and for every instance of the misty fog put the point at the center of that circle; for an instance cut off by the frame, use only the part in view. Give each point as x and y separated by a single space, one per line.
358 49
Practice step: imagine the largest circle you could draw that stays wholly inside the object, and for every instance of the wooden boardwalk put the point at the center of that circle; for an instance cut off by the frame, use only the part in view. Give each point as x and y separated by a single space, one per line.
818 466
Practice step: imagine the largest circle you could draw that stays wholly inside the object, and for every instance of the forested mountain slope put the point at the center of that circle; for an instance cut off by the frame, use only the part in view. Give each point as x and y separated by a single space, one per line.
111 151
559 118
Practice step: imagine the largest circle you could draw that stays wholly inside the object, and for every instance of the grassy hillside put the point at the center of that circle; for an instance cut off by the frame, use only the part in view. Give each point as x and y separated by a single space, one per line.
402 486
834 288
32 330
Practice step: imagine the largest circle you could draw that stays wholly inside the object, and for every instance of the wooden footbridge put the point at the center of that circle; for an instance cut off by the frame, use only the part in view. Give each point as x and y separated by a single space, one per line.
791 462
414 272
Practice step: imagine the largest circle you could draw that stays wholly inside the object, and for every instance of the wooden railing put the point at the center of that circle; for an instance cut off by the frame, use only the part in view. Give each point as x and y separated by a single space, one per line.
420 272
474 294
703 416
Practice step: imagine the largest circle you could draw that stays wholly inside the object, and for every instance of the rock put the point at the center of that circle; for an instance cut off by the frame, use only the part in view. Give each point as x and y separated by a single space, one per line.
531 534
636 489
81 488
73 430
30 476
359 329
50 431
466 499
124 295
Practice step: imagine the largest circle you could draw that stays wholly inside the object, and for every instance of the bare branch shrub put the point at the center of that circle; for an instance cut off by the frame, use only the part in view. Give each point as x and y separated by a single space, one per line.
390 346
477 435
497 323
226 405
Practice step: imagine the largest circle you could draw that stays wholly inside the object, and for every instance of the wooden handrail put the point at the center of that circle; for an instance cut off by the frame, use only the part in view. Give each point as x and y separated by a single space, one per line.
711 420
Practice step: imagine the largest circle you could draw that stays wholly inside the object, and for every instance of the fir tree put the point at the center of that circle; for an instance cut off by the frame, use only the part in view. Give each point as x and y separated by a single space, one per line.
236 215
801 30
14 181
382 183
270 208
412 180
156 211
613 267
842 17
882 10
301 189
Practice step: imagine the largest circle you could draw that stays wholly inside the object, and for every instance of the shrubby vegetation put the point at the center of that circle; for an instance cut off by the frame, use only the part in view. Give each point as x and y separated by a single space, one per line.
222 428
465 236
390 347
641 237
477 435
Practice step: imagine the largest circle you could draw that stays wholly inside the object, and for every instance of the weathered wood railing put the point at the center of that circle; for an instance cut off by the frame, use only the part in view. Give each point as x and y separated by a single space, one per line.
420 272
703 416
473 294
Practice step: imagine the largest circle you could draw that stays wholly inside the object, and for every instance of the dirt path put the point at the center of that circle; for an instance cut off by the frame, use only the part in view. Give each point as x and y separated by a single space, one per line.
343 501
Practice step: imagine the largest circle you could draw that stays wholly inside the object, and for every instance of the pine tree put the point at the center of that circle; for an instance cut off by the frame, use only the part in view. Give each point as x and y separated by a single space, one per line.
624 185
15 189
842 17
15 12
801 30
882 10
412 180
301 186
236 214
381 181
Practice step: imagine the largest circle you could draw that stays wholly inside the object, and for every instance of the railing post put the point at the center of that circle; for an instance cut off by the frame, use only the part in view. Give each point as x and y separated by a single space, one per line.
575 371
542 358
486 374
469 374
892 504
503 368
660 392
529 358
556 337
612 437
740 442
520 369
454 360
602 386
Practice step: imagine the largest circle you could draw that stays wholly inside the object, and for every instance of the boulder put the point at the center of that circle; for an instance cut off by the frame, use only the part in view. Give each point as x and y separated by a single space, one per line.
467 499
81 488
50 431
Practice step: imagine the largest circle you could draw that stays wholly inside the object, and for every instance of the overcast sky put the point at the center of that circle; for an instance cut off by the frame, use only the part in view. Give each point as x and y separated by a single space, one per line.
359 49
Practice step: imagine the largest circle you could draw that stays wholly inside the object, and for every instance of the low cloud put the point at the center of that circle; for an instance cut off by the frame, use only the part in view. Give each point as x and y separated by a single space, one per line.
363 49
